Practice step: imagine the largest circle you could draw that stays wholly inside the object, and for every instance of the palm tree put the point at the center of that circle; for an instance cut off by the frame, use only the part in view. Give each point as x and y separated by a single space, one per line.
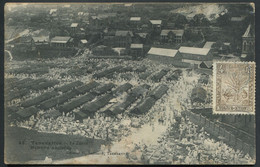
236 84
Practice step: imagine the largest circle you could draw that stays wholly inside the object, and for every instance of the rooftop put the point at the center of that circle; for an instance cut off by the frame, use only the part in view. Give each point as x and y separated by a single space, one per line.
53 11
80 13
41 39
227 43
136 46
74 25
60 39
156 21
135 18
103 16
240 18
243 55
209 64
163 52
208 44
124 33
193 50
84 41
128 4
142 35
249 32
176 32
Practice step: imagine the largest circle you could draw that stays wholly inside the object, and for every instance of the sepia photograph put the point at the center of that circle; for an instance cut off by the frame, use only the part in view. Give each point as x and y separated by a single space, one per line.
129 83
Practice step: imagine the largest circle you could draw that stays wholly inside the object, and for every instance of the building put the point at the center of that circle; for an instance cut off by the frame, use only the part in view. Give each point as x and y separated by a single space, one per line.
66 6
42 41
108 38
74 27
248 42
156 24
135 22
21 43
101 19
225 48
53 12
83 43
208 44
141 37
163 55
123 38
237 19
194 55
128 4
222 48
81 32
171 36
61 42
206 64
135 19
80 13
137 50
118 38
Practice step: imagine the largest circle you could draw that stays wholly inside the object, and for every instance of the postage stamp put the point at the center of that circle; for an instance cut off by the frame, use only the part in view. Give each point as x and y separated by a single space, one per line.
234 88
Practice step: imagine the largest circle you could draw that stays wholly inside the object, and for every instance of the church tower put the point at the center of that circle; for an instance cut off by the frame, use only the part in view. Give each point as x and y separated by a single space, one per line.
248 42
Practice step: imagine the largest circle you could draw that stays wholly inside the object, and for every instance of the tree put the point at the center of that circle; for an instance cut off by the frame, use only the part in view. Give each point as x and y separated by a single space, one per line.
236 87
198 19
218 44
192 36
178 19
223 20
205 22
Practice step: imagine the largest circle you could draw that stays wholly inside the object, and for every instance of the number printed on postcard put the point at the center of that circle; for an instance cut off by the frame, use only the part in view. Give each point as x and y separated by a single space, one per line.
234 88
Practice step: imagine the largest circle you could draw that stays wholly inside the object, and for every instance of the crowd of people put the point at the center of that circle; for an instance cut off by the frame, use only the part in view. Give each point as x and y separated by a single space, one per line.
98 127
180 140
190 144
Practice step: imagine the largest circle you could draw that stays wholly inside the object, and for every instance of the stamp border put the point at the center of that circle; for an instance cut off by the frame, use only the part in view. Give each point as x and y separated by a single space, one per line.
214 90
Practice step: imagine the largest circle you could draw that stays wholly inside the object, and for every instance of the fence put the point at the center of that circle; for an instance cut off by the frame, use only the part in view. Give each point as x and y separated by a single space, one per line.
215 130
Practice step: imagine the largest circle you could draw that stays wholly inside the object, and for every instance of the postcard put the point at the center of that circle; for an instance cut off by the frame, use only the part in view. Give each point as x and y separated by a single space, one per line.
130 83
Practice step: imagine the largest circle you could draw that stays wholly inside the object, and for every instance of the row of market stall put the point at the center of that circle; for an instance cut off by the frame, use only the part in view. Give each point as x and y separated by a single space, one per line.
88 98
143 73
16 88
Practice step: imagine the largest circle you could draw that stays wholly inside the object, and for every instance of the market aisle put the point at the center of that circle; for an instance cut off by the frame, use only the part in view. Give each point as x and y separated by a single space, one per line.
148 134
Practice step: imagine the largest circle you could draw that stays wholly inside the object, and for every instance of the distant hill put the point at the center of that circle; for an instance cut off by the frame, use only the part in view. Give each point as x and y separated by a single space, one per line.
211 11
